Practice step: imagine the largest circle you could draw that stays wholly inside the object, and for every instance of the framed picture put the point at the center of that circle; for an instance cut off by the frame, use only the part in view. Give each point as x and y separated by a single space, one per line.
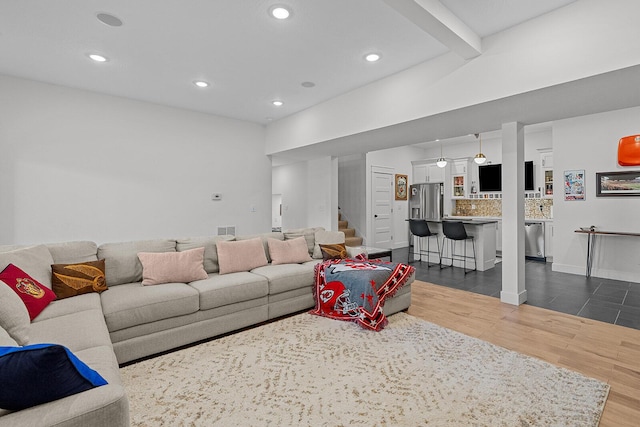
574 185
610 184
402 186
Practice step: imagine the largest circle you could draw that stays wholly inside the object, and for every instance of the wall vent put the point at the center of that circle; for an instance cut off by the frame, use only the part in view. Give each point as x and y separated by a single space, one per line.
229 229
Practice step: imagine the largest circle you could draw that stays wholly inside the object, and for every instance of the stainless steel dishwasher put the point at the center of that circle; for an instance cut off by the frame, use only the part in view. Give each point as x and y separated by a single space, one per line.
534 240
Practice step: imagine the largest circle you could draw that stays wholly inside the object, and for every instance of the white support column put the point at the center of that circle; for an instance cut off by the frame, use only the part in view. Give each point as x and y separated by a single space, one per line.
513 282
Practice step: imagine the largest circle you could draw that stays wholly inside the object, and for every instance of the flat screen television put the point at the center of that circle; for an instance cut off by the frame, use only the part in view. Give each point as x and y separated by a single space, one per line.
490 177
528 176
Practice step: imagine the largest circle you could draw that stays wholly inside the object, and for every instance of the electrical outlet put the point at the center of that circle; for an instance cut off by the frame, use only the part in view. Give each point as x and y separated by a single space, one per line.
473 207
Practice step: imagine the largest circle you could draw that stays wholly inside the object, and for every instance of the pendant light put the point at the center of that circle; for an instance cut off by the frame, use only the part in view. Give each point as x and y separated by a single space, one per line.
441 162
479 158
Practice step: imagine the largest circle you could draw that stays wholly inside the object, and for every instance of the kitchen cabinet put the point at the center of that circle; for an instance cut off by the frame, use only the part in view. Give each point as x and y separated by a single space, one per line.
546 171
434 173
460 167
459 179
427 172
419 174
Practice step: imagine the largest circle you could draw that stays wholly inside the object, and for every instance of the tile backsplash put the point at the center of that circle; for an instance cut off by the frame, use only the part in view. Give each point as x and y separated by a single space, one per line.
533 208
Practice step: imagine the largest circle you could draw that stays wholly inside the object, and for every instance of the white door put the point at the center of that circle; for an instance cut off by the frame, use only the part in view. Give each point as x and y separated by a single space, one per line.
382 197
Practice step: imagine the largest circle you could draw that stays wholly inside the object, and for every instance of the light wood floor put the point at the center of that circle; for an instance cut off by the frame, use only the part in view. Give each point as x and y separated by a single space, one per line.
599 350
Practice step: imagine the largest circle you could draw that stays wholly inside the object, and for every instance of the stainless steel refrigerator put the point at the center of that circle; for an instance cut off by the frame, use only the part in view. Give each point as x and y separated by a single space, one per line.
426 201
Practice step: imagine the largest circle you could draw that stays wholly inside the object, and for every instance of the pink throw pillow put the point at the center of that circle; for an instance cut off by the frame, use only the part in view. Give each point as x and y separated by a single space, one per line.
241 255
292 251
172 267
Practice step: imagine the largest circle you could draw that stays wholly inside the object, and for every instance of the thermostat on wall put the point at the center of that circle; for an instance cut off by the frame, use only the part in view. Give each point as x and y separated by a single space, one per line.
216 196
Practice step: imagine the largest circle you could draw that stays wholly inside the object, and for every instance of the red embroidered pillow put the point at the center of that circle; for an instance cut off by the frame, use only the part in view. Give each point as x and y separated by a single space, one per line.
34 295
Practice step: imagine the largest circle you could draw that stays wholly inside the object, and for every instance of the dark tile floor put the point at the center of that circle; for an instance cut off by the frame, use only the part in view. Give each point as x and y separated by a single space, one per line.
611 301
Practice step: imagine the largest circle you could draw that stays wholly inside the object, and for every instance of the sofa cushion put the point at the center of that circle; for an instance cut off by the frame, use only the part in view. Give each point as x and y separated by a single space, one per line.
41 373
76 331
307 233
33 294
73 252
172 267
285 277
326 238
210 249
6 340
292 251
241 255
68 280
14 317
121 259
219 290
62 307
132 304
35 260
264 237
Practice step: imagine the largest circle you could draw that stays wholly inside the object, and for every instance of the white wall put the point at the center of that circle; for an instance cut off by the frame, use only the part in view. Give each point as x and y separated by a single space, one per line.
399 159
81 165
591 143
309 193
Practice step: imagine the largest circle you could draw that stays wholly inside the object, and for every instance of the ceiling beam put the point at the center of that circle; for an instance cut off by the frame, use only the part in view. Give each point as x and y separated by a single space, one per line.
434 18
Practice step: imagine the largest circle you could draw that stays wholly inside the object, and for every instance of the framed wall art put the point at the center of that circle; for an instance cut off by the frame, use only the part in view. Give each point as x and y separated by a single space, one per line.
402 186
610 184
574 185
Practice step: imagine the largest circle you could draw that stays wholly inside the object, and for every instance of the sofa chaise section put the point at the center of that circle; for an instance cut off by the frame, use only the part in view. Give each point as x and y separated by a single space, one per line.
78 324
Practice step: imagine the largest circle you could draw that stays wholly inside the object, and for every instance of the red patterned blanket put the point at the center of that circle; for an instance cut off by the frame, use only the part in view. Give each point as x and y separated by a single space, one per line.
356 289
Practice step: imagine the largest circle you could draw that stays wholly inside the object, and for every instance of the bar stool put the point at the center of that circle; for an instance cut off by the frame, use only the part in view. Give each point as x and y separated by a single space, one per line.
420 229
454 231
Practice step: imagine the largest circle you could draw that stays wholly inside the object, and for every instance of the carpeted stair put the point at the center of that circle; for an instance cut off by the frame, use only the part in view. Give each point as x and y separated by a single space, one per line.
349 233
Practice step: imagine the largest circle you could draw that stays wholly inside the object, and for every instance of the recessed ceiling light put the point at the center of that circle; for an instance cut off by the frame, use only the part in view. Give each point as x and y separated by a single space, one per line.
98 58
108 19
277 103
201 83
308 84
280 11
372 57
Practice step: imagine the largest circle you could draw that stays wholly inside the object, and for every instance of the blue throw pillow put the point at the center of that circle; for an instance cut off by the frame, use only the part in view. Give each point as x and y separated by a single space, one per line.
39 373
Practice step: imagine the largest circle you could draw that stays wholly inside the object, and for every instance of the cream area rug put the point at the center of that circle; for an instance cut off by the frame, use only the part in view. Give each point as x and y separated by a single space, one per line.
313 371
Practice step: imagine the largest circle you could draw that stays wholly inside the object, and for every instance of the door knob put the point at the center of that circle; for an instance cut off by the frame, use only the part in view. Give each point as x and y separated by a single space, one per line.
375 216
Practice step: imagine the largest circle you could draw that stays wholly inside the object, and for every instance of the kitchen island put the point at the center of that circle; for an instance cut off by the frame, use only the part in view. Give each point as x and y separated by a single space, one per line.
484 233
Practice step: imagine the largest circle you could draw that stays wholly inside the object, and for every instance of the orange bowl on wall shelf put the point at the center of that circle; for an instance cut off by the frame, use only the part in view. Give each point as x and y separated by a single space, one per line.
629 151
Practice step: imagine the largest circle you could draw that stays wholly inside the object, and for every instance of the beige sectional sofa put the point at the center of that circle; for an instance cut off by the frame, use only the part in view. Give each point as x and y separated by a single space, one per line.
129 321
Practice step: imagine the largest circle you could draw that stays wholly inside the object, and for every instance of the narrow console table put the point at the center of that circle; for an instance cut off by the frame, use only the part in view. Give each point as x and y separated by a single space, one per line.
591 243
373 253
